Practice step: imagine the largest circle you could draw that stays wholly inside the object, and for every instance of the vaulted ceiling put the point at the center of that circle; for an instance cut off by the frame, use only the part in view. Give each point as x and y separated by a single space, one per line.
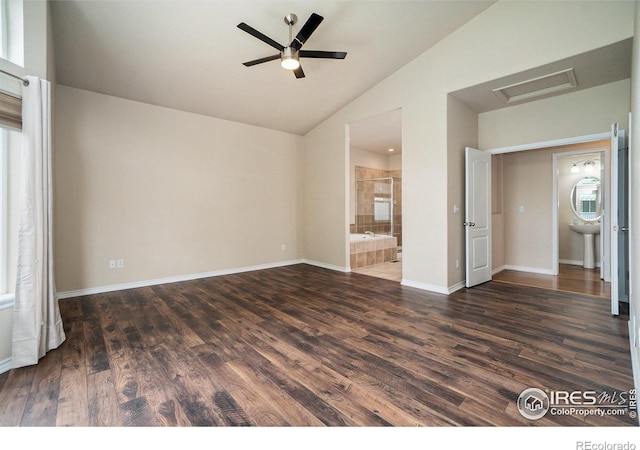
188 54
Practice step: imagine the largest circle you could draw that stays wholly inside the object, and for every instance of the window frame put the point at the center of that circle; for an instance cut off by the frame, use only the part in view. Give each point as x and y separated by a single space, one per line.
4 212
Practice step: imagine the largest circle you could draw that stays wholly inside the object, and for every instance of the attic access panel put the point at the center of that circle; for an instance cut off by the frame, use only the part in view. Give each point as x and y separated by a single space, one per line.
538 87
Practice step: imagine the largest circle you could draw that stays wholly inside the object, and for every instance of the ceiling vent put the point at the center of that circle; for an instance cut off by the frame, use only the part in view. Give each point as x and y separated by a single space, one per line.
538 87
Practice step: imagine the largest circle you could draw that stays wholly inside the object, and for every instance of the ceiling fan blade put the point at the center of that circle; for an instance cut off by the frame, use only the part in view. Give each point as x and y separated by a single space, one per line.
298 72
255 33
261 60
322 54
307 29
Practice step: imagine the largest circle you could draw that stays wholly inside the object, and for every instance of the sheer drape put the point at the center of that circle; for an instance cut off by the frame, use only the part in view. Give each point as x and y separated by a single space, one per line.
37 325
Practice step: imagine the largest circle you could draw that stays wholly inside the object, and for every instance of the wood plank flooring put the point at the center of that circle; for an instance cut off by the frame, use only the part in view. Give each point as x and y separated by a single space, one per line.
301 346
571 278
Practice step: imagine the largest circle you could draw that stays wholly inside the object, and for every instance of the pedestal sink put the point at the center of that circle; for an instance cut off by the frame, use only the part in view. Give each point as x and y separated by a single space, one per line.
588 230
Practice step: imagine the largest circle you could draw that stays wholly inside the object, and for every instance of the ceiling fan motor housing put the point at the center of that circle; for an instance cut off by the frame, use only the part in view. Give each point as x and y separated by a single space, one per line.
290 53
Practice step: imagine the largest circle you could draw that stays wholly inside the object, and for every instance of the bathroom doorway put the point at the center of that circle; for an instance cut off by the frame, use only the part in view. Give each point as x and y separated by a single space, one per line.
375 206
580 190
546 216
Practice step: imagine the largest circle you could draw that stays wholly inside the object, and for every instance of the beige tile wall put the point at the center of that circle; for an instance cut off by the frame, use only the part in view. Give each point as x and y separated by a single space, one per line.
364 212
373 251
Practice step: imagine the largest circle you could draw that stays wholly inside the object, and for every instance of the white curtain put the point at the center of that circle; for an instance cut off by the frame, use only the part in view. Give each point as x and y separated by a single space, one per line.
37 325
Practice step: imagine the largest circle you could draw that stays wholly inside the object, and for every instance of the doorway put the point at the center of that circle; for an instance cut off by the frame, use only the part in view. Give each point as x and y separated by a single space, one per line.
581 185
534 214
375 206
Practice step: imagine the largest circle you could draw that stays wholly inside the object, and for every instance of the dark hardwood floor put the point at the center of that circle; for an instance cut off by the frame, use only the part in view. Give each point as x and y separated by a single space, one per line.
571 278
305 346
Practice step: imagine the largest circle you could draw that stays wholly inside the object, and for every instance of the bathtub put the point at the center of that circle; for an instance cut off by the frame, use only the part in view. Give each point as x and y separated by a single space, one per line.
357 237
367 250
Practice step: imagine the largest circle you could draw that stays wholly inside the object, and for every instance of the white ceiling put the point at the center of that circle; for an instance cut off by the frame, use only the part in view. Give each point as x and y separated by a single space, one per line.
188 55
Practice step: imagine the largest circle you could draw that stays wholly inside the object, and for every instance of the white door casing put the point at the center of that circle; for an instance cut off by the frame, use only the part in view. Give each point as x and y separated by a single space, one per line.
619 219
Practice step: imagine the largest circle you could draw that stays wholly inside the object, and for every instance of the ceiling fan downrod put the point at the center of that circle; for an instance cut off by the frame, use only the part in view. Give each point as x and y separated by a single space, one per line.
289 56
290 19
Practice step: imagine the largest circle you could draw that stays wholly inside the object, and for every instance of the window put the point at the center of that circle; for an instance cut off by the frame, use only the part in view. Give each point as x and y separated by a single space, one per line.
12 31
4 211
11 56
382 201
10 142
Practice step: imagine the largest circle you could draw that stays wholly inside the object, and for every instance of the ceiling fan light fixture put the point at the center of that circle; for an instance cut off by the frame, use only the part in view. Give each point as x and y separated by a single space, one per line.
289 59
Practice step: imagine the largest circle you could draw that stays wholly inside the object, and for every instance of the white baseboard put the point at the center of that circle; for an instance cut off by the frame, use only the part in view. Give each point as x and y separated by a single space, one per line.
497 270
529 269
425 286
311 262
572 262
575 262
157 281
456 287
5 365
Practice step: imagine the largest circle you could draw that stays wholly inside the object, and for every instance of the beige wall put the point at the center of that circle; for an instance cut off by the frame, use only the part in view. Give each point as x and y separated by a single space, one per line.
499 42
171 193
527 184
527 239
497 213
462 126
577 114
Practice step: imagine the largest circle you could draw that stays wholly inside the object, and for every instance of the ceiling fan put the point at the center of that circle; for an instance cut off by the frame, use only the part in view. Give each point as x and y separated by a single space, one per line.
290 56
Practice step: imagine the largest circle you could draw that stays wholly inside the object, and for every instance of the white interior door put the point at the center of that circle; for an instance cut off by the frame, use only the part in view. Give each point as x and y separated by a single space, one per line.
619 220
477 216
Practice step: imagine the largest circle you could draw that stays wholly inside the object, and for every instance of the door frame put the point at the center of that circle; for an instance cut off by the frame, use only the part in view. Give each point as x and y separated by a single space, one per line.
620 285
605 269
558 143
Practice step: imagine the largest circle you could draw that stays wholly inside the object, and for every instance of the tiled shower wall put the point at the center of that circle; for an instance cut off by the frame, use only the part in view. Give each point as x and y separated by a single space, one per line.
365 212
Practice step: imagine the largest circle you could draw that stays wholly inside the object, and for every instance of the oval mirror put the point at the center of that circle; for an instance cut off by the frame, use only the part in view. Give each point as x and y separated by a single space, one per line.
585 199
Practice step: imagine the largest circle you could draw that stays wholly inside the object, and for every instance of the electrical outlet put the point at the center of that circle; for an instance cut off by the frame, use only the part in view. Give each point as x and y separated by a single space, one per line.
120 263
457 263
112 264
284 247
